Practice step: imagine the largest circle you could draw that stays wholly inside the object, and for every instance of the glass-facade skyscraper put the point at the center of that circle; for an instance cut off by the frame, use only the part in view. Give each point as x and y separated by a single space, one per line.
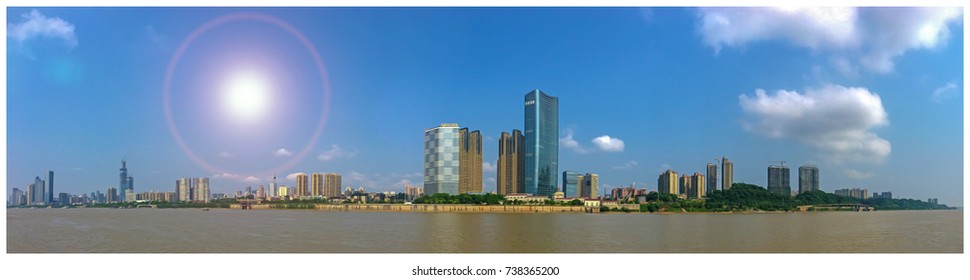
541 143
441 159
123 173
570 183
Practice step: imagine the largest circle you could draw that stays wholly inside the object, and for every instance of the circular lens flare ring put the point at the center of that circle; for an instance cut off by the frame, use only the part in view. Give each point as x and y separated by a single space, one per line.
321 69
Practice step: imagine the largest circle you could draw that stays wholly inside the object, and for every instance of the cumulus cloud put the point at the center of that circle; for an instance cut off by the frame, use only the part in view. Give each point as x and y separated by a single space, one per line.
568 142
874 36
292 176
282 152
856 174
336 152
251 179
37 25
608 144
628 165
944 92
237 177
488 166
833 119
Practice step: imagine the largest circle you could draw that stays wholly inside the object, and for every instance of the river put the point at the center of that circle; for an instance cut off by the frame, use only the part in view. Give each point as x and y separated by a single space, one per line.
293 231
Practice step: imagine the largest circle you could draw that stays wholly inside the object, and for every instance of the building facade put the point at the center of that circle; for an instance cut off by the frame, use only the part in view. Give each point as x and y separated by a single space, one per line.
570 184
698 186
331 184
50 187
727 173
200 190
36 193
589 185
316 184
541 143
510 171
711 177
183 189
667 183
779 178
302 187
807 178
470 161
441 159
854 192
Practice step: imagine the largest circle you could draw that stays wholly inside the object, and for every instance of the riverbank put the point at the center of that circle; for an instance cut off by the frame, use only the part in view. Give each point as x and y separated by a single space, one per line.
458 208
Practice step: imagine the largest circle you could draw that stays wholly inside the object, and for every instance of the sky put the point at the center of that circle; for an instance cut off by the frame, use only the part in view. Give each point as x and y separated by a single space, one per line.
873 96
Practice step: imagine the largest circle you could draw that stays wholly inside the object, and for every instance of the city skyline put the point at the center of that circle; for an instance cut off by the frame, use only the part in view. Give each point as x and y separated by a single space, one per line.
618 74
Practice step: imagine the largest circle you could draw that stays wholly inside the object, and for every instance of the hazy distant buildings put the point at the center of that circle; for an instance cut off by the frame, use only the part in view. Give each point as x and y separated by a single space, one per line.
807 178
111 195
779 178
685 185
273 188
711 177
727 173
125 182
301 185
933 201
888 195
469 161
667 183
413 192
283 191
195 190
331 184
441 159
16 197
510 171
854 192
316 184
589 185
541 143
36 192
570 183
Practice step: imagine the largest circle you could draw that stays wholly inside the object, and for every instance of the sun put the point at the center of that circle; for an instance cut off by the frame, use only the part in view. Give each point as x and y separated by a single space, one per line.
246 96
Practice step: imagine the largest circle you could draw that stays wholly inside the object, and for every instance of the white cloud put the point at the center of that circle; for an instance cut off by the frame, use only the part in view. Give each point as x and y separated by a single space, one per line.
875 36
282 152
568 142
858 175
488 166
251 179
627 165
237 177
225 154
944 92
36 25
608 144
292 176
835 120
336 152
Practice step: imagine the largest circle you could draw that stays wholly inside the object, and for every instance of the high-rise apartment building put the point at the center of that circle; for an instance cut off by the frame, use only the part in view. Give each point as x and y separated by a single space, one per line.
331 184
807 178
667 183
470 161
685 184
727 173
301 185
570 183
711 178
698 186
589 185
541 143
854 192
778 180
200 190
441 159
183 190
36 193
283 191
316 184
510 171
111 195
413 192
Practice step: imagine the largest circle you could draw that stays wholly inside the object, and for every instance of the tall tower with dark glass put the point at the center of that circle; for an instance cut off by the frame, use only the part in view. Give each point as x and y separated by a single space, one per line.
50 187
541 143
123 184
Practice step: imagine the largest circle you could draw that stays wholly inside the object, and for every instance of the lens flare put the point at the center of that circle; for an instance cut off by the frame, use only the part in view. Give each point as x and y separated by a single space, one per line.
246 96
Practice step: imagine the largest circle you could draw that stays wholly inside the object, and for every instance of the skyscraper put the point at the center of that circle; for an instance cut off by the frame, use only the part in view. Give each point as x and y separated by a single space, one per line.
470 161
510 168
727 173
36 193
331 184
778 180
273 189
316 184
200 190
711 177
589 185
667 183
301 185
570 183
441 159
541 143
50 187
183 190
807 178
685 184
698 186
123 177
111 195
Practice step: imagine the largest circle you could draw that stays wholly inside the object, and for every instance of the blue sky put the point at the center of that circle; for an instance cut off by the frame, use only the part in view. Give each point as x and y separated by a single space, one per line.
873 97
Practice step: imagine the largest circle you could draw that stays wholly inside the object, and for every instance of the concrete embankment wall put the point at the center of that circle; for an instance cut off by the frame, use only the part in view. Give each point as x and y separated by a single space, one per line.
456 208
